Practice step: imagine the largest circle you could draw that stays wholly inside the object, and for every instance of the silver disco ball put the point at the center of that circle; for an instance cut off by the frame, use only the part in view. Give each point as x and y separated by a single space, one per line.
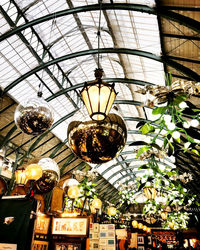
34 116
50 175
98 141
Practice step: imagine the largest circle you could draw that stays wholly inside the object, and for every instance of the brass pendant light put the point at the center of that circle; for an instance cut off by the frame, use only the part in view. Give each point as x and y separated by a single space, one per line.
98 96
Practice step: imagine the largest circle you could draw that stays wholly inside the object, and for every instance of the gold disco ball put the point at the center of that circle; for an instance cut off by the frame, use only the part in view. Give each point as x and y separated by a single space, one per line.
34 116
98 141
50 175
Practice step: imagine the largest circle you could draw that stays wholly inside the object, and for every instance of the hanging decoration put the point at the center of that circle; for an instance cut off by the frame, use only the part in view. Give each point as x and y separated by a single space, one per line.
164 215
163 94
50 175
34 116
150 193
98 96
98 142
90 174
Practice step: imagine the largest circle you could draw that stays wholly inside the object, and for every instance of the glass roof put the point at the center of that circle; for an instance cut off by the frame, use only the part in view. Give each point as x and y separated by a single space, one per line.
61 36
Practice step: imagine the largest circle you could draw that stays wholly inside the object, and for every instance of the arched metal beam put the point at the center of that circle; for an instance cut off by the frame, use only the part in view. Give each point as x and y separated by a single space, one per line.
183 20
123 178
129 168
81 85
193 75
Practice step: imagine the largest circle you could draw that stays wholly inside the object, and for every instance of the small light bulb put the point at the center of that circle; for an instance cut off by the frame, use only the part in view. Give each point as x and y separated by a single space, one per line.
183 105
194 123
176 135
171 126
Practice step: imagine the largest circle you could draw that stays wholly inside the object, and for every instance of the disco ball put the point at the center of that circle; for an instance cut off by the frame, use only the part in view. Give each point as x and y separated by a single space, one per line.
98 141
50 175
34 116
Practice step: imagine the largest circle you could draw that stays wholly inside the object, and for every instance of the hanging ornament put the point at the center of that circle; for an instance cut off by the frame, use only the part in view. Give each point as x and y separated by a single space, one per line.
98 142
150 193
50 175
34 116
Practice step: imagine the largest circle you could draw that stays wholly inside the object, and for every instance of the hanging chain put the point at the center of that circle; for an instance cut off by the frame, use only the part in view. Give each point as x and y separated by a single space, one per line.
99 32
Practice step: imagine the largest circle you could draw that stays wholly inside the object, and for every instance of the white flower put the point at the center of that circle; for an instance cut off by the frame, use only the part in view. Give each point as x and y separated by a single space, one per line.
175 134
183 105
167 118
166 182
171 126
197 141
150 171
194 123
148 184
187 144
186 124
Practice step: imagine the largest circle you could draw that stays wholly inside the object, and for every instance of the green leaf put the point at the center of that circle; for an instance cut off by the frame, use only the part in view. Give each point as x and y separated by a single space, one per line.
141 186
195 151
142 150
179 99
170 149
197 203
196 110
168 79
138 143
150 179
178 140
159 110
165 142
146 128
